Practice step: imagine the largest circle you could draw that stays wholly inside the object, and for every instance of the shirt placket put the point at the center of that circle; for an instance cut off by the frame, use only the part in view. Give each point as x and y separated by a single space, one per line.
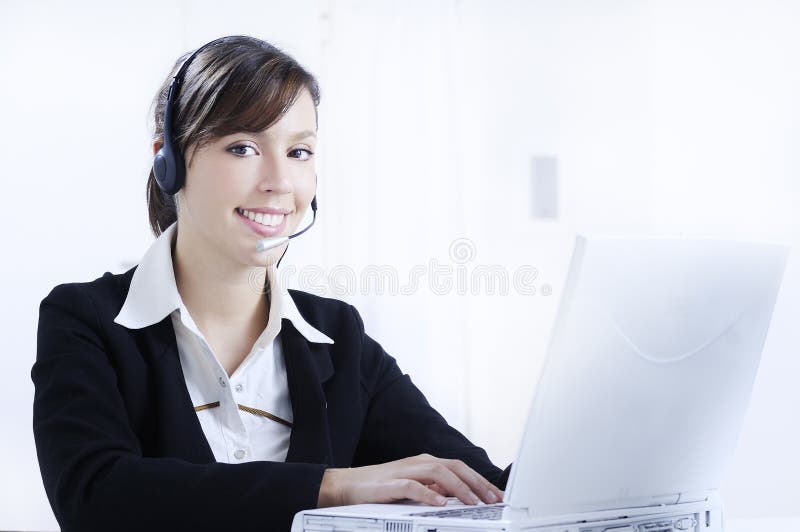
234 431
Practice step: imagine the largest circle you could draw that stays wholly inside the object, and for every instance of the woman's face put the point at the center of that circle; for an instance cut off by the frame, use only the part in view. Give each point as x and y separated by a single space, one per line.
271 173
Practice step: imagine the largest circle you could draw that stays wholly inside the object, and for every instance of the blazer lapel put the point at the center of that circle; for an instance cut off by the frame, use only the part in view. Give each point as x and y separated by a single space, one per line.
178 431
308 365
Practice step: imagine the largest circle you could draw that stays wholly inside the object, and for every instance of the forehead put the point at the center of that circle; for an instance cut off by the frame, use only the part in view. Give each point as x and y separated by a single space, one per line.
299 122
302 115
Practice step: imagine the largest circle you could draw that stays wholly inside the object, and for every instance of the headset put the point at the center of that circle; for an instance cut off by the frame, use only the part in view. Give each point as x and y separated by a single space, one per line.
169 167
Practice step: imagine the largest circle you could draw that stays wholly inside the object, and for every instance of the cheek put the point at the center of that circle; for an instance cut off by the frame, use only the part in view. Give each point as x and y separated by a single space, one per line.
305 190
203 196
214 188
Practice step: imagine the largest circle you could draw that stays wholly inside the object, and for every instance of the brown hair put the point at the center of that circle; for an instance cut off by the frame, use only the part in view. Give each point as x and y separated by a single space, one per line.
240 84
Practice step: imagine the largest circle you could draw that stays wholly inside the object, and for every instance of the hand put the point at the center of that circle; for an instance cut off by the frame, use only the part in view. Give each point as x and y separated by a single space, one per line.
423 478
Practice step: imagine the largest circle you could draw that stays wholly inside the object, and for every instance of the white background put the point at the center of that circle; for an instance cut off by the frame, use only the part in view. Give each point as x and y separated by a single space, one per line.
666 117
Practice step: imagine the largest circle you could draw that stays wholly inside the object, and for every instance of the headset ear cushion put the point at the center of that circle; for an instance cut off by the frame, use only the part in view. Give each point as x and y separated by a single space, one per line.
166 171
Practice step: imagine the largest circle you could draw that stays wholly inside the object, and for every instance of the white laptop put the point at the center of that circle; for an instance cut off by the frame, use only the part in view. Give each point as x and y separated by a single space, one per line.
639 406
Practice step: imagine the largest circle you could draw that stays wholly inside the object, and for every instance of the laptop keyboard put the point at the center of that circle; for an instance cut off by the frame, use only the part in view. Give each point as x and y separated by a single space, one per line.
487 512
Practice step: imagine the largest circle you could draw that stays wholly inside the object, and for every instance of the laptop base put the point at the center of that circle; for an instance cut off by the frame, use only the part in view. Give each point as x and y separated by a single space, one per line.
706 516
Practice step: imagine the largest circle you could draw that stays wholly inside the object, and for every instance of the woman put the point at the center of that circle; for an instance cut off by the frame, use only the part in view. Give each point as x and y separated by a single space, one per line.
175 396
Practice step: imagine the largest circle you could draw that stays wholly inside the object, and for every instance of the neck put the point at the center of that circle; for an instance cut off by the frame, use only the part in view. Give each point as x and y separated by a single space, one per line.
218 292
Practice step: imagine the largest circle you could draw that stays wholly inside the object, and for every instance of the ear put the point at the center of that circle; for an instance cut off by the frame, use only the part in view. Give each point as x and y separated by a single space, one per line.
157 145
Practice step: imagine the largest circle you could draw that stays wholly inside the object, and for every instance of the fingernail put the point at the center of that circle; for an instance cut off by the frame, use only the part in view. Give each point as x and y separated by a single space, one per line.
475 499
440 500
491 496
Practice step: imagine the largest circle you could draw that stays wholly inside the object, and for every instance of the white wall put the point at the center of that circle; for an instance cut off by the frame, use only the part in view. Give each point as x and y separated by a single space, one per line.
666 117
727 162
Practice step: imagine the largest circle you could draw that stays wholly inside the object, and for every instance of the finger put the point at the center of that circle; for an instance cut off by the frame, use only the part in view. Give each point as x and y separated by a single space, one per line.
437 488
404 488
488 492
436 471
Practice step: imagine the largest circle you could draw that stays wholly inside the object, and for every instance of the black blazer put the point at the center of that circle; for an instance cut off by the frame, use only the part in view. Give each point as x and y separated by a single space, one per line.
120 447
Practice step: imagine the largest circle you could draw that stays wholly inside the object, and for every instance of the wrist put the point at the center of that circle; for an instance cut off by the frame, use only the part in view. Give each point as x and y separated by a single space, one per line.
329 491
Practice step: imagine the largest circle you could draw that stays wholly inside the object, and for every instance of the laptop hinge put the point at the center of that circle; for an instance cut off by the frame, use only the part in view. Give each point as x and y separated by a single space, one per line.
671 498
694 496
511 512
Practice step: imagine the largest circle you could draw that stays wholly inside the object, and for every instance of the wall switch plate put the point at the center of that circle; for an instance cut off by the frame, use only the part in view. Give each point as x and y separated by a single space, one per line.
544 187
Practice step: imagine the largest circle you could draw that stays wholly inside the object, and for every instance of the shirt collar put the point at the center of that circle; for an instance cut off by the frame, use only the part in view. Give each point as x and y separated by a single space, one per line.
153 293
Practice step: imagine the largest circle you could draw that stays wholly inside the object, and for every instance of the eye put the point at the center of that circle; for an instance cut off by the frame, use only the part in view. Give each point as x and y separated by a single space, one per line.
303 154
241 150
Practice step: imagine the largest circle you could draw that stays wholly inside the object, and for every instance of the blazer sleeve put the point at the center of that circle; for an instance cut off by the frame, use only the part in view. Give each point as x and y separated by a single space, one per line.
400 422
91 461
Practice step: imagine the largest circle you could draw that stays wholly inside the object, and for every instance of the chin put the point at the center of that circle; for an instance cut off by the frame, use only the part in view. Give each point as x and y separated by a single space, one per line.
271 257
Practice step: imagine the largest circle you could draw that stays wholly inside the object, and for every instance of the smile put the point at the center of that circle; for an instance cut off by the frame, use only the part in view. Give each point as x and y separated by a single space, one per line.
268 220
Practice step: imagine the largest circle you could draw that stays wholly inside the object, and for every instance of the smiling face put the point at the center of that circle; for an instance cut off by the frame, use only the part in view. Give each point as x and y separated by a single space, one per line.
268 176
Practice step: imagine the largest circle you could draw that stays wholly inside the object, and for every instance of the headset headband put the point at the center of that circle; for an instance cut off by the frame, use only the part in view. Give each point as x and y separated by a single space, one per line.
169 167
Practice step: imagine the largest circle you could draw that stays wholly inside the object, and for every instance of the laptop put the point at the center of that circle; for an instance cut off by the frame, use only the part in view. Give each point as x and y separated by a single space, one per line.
639 404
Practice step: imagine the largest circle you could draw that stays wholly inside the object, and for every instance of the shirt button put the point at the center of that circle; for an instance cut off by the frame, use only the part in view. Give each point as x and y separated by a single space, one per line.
239 454
238 388
222 382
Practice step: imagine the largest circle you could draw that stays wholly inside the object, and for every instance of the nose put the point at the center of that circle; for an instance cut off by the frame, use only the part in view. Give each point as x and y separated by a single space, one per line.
275 174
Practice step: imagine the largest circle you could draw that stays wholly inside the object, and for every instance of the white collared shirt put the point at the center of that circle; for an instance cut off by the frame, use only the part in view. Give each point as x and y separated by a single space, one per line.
234 435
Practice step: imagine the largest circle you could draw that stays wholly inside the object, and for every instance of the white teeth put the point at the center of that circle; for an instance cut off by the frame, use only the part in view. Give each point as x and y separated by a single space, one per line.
262 218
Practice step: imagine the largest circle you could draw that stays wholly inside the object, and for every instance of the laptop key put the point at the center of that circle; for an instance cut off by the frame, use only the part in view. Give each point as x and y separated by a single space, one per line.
485 512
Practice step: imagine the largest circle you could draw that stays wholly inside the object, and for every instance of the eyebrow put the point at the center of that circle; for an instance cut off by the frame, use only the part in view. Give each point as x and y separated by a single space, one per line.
302 135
